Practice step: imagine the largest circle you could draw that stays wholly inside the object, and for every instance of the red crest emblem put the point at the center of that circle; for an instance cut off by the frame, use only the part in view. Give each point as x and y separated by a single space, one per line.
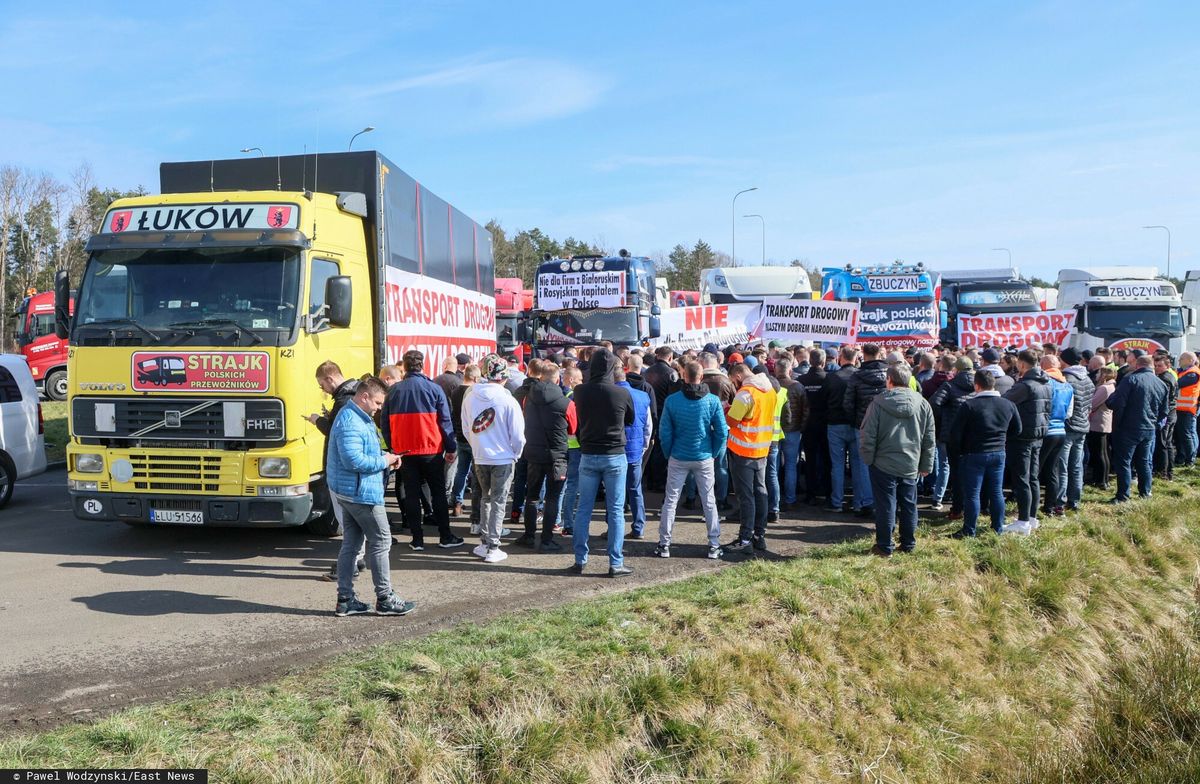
278 216
120 220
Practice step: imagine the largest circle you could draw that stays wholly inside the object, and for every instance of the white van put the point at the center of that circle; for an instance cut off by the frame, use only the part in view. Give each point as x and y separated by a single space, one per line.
22 443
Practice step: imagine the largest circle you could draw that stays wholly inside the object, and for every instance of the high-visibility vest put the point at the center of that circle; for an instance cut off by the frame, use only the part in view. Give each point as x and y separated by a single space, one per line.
751 437
1189 391
781 399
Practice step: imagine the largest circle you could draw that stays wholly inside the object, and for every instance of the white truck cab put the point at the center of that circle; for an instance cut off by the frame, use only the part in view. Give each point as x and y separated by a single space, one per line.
729 285
1125 308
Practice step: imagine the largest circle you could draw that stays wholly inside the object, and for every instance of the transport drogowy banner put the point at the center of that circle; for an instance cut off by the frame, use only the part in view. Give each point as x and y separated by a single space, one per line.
438 319
694 327
796 321
581 290
1016 329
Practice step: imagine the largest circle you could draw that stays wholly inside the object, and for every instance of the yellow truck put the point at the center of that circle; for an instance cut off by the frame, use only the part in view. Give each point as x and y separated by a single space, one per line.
204 311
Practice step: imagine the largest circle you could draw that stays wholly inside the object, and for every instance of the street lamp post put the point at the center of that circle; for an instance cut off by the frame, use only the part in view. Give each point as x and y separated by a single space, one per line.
1168 231
764 236
1009 252
733 225
254 149
368 129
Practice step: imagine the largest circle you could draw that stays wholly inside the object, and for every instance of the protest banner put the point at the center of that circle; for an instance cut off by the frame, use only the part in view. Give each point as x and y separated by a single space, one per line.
684 328
796 321
581 290
1021 330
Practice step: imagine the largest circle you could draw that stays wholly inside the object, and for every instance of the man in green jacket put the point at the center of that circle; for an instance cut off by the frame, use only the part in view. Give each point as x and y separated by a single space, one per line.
897 444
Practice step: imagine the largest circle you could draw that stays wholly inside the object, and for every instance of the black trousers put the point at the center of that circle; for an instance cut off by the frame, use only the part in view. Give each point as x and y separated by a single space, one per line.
1022 459
1164 450
655 466
1099 464
416 470
1051 471
554 475
815 445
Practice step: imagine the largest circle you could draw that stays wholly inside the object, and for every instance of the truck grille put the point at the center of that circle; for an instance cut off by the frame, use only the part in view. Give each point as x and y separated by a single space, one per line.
180 473
153 421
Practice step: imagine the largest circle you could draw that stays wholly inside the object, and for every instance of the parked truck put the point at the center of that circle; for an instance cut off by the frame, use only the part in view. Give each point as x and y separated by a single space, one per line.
1125 308
729 285
513 305
204 312
45 351
983 291
586 299
900 303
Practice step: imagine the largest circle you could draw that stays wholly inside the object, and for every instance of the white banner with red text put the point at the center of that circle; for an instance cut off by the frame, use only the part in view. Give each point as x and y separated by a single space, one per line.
695 327
1016 329
436 318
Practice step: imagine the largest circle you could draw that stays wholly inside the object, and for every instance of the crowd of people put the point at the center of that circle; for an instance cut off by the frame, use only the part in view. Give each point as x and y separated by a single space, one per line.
750 431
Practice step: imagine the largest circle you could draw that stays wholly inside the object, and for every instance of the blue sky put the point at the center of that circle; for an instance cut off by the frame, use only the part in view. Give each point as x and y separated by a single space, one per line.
925 131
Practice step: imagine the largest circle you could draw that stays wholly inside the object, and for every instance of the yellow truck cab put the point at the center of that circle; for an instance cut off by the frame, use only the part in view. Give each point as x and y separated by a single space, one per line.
204 312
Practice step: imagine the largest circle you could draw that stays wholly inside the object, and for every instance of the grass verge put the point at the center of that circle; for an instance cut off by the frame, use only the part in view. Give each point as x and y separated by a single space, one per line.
967 661
54 415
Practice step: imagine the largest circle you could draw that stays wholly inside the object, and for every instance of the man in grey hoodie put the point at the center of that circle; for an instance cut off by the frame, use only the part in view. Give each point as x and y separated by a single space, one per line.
896 442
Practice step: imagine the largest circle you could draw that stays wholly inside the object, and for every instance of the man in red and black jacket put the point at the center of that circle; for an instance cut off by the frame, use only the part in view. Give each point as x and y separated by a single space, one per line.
416 418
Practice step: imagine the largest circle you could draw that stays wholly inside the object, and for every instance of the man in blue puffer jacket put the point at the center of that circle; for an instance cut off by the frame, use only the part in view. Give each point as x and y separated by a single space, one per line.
1054 447
355 476
692 431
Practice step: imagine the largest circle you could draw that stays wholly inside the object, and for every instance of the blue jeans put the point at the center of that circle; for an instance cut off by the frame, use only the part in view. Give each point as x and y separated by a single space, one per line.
369 522
773 478
941 472
1134 452
791 465
1074 448
611 470
1185 438
633 494
570 496
895 502
843 439
982 472
721 470
462 469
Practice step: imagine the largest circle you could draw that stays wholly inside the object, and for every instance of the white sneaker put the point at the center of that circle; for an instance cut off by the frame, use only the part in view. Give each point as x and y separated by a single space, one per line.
495 556
481 551
1034 524
505 532
474 529
1021 528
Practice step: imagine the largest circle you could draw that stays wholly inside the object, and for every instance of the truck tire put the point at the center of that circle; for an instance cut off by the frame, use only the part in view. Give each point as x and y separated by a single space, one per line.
8 478
56 385
321 521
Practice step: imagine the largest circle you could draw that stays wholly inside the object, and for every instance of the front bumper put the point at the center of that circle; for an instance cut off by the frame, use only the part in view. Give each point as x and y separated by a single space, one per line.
217 511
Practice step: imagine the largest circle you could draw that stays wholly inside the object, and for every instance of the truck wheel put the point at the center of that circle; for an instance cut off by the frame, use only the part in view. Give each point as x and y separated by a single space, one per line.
8 478
56 385
321 521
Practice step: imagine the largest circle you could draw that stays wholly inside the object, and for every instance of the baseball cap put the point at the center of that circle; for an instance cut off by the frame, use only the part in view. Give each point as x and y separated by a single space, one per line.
990 355
494 368
463 359
964 363
735 357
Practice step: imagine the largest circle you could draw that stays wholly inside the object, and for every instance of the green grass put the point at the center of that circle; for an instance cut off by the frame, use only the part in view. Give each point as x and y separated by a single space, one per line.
1067 656
54 414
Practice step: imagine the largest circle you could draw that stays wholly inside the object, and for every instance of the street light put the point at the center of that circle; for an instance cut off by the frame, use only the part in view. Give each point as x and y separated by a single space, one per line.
368 129
733 225
254 149
1009 252
764 236
1168 231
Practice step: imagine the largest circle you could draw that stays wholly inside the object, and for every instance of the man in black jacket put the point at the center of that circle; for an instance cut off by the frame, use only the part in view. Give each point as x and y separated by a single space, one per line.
1139 406
1031 395
815 442
868 383
545 454
945 402
1164 444
604 410
979 433
843 437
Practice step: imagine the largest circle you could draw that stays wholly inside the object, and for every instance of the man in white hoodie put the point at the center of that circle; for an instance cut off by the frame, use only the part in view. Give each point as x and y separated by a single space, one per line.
495 429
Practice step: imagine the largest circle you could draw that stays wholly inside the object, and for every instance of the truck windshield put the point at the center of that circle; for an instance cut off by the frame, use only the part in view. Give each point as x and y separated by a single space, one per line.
576 327
976 299
1134 321
179 296
506 330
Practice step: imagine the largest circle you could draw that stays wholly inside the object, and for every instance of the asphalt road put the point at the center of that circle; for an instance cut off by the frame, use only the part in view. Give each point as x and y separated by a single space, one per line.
97 616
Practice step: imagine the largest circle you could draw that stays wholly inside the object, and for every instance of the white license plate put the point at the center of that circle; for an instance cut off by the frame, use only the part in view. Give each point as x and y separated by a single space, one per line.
175 516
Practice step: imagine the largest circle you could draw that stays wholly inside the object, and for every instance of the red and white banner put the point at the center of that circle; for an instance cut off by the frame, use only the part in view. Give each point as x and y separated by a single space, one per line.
694 327
436 318
201 371
1016 329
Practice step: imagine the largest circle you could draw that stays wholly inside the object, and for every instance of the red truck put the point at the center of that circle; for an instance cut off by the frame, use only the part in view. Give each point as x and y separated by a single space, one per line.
45 351
513 303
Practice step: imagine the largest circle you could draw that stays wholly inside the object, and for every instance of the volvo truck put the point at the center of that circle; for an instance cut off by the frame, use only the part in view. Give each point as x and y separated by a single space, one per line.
1125 308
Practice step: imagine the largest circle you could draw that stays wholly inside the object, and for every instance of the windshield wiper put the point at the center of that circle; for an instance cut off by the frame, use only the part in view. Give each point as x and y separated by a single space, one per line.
215 322
112 324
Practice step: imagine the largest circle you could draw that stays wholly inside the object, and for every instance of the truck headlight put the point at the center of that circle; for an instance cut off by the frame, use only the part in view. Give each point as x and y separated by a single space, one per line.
89 464
275 467
276 491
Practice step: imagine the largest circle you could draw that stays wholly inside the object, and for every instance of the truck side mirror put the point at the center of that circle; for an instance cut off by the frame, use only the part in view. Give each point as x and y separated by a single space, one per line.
655 310
524 330
1080 318
62 304
942 314
655 324
338 300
